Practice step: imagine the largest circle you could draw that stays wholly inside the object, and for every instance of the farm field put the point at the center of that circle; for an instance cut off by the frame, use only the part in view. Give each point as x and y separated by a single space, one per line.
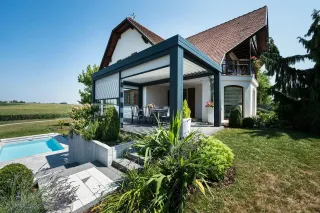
24 129
11 112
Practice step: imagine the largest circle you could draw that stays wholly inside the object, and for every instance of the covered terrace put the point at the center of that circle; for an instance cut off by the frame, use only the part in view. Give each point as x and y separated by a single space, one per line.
172 65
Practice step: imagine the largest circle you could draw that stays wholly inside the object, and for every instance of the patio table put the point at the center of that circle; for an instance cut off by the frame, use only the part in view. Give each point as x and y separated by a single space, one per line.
158 111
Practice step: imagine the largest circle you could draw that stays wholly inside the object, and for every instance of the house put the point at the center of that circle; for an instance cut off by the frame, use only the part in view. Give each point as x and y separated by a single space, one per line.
140 67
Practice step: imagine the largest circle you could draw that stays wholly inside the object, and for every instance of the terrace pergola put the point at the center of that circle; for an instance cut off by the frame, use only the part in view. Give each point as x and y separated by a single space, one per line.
171 61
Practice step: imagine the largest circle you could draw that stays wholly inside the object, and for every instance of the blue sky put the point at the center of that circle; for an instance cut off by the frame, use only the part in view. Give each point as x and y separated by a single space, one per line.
44 45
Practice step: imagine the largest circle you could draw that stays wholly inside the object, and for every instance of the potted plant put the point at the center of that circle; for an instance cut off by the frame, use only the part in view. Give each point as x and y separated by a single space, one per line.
186 121
210 111
151 106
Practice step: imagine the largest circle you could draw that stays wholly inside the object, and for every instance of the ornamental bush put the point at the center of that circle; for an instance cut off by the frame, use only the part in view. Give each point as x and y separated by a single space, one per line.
248 122
15 178
186 109
81 116
235 118
217 156
109 127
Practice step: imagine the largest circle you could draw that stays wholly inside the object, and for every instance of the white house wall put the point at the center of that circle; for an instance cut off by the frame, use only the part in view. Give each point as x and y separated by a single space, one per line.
248 84
157 95
129 43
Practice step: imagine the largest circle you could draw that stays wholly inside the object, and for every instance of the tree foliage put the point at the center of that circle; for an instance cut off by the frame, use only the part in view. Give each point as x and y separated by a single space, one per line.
263 95
86 79
297 91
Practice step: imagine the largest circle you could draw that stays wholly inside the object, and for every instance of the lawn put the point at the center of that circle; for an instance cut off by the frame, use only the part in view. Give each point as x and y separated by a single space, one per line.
18 130
276 171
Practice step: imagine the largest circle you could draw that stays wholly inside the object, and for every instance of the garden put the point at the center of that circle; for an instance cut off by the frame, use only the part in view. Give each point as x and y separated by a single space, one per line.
265 163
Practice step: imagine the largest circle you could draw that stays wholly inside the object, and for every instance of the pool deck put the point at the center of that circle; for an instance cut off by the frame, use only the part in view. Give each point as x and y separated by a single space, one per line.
41 161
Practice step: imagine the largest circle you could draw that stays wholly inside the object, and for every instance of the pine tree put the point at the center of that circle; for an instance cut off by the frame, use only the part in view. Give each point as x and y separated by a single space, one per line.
297 91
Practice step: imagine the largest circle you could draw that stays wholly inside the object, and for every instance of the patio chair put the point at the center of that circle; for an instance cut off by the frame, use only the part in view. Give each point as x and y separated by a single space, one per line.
135 113
147 114
166 116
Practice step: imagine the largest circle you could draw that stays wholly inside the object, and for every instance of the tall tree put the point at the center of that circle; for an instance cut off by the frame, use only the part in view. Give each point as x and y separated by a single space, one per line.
263 94
298 90
86 79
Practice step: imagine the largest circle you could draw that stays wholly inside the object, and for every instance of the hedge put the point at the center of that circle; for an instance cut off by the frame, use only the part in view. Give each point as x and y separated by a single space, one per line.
32 116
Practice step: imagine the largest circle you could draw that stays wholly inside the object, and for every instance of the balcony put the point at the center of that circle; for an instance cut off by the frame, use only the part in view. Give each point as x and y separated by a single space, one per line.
238 67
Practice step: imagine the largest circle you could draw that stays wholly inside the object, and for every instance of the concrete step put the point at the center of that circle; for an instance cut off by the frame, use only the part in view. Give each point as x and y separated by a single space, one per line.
135 157
124 164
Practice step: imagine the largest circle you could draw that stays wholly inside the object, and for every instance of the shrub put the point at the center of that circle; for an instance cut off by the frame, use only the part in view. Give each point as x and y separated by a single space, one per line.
60 123
109 125
268 119
81 116
248 122
235 118
186 109
90 131
15 178
217 156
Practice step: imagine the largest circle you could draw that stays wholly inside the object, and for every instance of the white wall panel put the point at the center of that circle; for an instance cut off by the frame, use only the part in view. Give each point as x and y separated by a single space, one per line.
107 87
130 42
159 62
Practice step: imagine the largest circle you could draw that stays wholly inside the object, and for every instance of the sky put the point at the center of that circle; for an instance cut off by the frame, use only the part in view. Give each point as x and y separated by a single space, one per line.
44 45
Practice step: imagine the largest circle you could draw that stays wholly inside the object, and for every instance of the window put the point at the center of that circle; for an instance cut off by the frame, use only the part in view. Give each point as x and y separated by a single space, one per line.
130 97
233 96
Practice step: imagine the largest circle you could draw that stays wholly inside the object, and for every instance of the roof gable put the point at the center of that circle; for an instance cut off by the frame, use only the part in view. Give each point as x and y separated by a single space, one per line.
217 41
127 23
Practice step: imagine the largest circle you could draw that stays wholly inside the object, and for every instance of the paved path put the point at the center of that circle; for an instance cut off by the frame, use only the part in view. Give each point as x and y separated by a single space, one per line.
28 122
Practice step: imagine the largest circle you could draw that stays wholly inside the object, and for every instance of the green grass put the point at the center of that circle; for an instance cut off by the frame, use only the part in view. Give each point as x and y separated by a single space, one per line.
16 111
13 109
18 130
22 121
276 171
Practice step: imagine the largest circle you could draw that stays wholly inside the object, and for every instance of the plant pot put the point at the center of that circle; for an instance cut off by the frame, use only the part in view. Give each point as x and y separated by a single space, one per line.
186 127
210 115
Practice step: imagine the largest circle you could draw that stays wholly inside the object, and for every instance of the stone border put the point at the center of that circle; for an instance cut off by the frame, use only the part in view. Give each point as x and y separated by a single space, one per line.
82 151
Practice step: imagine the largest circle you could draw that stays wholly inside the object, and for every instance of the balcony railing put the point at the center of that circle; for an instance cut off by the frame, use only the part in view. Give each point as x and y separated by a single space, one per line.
239 67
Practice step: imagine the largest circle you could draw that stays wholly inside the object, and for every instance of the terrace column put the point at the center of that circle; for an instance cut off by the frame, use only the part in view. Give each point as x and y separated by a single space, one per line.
140 97
93 91
217 99
121 101
176 81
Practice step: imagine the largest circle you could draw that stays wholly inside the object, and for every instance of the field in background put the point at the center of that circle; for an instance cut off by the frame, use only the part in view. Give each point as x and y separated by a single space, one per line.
25 129
10 112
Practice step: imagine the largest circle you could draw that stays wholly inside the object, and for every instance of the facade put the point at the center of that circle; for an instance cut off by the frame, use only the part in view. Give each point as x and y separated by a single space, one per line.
139 67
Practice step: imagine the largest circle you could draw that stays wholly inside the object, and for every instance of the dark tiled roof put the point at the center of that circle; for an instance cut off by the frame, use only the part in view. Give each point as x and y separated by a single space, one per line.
154 38
217 41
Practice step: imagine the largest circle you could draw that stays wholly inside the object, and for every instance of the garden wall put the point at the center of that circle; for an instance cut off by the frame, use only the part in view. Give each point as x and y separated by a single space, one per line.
82 151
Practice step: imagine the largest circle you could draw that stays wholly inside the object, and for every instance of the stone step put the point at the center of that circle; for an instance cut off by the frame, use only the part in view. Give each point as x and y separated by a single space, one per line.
124 164
135 157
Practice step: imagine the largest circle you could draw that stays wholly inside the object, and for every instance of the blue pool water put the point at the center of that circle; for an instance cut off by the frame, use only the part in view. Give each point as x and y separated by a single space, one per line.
22 149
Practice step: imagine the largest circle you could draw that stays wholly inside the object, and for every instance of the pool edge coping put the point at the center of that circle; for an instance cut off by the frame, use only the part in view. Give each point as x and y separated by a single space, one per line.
29 137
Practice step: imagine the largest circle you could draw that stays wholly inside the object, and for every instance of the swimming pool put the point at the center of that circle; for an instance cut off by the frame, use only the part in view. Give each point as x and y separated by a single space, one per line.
14 150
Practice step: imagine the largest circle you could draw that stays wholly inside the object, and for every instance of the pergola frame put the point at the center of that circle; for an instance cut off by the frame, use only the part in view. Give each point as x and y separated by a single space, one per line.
177 48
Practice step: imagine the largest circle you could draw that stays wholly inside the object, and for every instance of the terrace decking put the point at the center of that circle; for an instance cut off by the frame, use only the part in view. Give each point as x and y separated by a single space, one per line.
144 129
